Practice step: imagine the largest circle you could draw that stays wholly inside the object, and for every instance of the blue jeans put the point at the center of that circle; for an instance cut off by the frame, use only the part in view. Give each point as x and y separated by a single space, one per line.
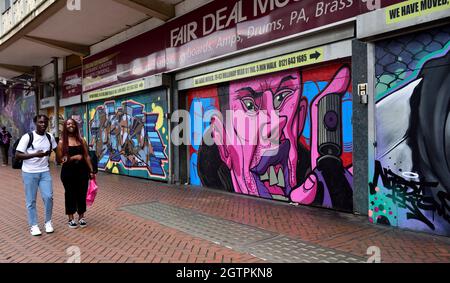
33 182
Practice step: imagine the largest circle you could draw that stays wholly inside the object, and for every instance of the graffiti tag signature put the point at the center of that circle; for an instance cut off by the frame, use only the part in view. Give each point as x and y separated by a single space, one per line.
412 195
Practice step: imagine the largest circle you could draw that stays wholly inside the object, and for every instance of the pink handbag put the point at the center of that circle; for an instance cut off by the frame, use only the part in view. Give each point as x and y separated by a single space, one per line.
92 191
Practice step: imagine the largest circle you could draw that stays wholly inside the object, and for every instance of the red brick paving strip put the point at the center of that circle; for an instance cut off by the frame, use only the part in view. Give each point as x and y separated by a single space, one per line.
111 236
117 236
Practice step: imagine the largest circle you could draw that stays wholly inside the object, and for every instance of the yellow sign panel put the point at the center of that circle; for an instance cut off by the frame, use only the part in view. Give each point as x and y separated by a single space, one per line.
116 91
275 64
414 8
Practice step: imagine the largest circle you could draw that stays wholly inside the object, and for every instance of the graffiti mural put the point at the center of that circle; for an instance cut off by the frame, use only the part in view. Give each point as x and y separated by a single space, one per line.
130 135
200 101
79 115
410 167
308 156
52 128
17 109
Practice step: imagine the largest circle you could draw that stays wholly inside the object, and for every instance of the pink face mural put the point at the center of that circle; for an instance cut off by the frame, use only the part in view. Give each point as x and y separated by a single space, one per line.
273 143
270 105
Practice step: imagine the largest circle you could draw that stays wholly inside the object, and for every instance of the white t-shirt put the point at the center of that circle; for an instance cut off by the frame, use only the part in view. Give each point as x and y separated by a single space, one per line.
36 164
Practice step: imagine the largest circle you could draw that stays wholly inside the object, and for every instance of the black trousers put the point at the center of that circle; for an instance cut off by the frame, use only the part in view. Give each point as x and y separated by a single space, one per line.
5 152
75 194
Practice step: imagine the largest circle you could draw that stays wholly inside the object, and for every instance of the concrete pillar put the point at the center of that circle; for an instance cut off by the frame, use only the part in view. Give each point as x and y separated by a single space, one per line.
175 150
360 129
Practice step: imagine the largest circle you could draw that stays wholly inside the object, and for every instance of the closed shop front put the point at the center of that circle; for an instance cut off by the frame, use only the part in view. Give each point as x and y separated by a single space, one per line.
273 119
409 151
410 169
130 134
309 109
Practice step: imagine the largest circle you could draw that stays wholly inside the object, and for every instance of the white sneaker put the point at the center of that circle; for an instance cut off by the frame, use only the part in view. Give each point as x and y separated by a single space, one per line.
48 227
35 230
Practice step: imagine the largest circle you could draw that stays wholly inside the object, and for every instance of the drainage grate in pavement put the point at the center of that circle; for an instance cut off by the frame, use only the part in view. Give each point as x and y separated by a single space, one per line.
288 250
224 232
243 238
159 212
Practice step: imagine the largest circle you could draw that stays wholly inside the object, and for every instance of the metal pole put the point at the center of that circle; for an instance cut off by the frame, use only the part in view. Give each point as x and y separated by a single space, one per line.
37 94
56 89
169 93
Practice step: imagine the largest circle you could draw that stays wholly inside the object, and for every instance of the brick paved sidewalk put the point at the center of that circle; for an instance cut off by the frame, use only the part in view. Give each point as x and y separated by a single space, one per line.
126 225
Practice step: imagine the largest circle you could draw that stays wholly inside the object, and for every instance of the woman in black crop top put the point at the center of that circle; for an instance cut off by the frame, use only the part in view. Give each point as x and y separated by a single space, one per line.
76 170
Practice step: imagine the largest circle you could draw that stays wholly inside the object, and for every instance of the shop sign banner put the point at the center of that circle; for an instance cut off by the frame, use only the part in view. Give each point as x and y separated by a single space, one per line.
214 30
116 91
226 27
100 72
275 64
71 83
414 8
139 57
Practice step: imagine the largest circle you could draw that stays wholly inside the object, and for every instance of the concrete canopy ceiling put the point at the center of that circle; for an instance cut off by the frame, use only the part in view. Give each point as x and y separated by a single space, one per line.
97 20
26 53
7 73
65 32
